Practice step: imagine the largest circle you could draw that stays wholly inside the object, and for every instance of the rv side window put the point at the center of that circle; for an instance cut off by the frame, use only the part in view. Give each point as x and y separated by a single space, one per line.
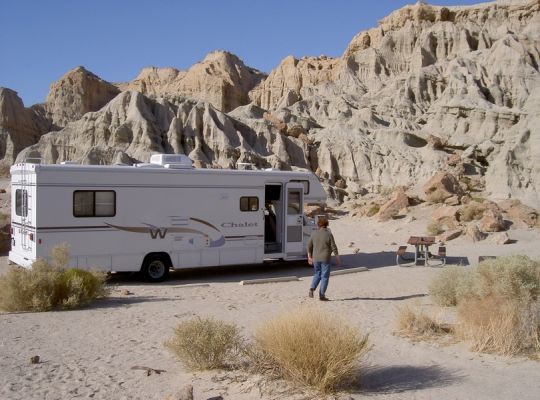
249 204
91 203
21 202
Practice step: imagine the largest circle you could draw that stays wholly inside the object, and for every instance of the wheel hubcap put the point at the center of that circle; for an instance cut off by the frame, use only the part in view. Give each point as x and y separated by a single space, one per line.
156 269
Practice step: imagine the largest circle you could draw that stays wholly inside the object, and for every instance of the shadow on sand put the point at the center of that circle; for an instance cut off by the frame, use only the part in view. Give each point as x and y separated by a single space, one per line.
397 298
269 269
402 378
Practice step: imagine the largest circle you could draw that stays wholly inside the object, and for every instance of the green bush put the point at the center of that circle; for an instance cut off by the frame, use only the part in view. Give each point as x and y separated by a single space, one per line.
204 343
45 287
310 347
445 288
511 277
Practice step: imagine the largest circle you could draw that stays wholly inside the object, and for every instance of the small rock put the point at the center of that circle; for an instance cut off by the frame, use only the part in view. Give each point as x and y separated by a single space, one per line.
475 233
351 244
126 292
501 238
34 360
450 235
356 251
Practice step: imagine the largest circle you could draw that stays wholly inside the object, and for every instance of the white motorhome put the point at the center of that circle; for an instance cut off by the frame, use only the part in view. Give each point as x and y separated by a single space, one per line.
161 215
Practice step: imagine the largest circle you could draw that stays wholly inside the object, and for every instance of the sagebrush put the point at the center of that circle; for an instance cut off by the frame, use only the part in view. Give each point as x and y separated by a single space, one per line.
500 325
417 325
48 286
205 343
498 304
434 228
472 211
445 287
310 347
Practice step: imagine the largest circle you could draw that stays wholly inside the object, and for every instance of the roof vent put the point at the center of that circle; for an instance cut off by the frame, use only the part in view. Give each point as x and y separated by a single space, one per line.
173 161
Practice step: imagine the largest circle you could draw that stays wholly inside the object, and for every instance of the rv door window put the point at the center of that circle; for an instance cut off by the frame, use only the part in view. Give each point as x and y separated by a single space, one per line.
249 203
21 202
293 206
90 203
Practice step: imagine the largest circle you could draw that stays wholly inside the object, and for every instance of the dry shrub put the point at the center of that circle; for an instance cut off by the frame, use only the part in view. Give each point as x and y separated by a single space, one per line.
434 228
436 197
445 287
498 307
500 325
204 343
511 277
417 325
472 211
372 210
46 287
310 347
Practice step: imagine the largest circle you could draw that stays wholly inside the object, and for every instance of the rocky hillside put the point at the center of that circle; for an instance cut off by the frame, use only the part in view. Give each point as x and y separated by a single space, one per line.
429 89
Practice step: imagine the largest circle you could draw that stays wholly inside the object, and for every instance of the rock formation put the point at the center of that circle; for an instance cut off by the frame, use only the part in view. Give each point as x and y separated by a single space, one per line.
132 126
76 93
19 126
221 79
430 89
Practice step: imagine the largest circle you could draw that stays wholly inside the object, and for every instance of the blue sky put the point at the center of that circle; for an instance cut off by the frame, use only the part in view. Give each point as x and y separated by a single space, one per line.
43 39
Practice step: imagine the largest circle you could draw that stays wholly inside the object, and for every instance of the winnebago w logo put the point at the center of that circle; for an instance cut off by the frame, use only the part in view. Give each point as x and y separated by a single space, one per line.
161 232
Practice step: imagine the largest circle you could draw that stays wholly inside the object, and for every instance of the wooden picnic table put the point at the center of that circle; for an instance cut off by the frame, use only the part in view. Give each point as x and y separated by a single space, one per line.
421 245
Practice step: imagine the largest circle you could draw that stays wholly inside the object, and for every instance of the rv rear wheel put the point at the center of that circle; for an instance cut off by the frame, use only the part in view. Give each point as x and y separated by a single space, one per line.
156 267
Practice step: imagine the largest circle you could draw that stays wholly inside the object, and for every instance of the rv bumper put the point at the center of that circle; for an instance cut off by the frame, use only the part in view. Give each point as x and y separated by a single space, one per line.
19 259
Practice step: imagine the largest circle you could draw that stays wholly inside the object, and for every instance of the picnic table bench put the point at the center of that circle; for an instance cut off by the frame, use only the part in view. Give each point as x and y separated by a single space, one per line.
421 251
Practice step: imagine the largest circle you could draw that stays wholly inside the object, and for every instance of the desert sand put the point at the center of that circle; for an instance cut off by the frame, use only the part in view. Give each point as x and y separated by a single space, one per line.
89 353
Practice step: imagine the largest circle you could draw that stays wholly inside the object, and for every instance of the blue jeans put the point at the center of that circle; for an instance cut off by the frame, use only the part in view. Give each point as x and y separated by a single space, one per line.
322 275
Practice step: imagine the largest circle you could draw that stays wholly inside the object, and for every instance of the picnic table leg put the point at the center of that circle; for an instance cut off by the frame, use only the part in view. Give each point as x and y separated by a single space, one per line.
415 254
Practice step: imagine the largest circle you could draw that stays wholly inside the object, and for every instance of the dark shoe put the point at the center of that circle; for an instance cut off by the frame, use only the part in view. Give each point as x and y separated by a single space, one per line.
324 298
311 292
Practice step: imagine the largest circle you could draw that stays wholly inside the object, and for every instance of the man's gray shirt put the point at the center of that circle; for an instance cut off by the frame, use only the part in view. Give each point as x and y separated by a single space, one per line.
321 245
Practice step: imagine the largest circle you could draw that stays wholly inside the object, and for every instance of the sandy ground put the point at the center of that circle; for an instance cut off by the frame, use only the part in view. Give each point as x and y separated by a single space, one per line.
89 353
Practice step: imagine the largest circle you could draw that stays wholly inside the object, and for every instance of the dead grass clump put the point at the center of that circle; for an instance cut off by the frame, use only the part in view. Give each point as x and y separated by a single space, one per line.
500 325
434 228
46 287
436 197
372 210
472 211
204 343
417 325
445 288
311 348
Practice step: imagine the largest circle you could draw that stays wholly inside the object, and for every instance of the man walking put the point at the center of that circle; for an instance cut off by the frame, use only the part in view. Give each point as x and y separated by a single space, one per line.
321 245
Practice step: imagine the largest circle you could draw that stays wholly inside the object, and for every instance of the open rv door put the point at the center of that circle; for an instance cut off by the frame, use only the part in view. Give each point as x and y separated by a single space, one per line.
294 219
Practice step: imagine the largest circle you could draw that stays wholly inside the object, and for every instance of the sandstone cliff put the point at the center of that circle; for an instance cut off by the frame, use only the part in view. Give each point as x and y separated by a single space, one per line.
429 89
76 93
221 79
19 126
133 126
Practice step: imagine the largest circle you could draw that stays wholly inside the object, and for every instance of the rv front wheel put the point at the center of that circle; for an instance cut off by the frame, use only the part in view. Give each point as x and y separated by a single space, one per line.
156 267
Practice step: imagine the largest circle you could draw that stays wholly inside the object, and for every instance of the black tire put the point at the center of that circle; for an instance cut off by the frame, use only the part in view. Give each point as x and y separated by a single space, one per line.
156 267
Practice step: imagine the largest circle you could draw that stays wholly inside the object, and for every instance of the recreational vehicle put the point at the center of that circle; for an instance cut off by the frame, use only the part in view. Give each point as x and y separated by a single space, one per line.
160 215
